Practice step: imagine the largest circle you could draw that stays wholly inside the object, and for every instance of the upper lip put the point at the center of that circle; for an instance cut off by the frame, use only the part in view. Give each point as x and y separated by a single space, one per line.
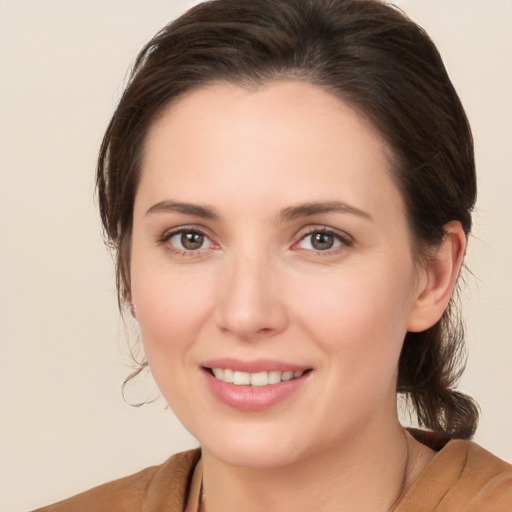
254 366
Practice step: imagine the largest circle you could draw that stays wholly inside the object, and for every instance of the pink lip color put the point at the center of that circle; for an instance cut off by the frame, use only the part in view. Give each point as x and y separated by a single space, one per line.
252 398
258 365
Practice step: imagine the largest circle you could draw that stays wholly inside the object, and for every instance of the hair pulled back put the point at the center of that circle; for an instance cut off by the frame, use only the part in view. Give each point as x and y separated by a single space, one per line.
369 55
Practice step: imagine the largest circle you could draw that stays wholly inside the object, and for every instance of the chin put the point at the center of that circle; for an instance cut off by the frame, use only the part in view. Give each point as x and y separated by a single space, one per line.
256 457
253 447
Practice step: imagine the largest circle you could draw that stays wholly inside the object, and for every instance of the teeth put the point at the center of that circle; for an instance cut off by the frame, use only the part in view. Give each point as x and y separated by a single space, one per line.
254 379
241 378
274 377
259 379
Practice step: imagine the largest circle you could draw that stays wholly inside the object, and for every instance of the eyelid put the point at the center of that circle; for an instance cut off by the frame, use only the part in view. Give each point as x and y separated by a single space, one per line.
169 233
345 239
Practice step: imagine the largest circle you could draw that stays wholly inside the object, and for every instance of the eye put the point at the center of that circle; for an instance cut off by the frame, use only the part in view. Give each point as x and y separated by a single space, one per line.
188 240
323 240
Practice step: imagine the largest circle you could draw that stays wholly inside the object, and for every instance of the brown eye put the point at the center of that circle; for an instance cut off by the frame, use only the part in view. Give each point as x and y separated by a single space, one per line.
192 241
322 241
188 240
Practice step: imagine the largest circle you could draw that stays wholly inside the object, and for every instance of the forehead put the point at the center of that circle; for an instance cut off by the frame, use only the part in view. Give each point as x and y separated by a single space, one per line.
226 142
260 107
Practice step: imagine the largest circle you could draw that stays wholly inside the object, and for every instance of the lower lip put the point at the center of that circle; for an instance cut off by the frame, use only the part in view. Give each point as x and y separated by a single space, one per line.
253 398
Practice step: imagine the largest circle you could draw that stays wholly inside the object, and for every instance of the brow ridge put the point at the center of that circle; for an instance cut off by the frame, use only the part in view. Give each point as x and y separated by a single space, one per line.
196 210
287 214
315 208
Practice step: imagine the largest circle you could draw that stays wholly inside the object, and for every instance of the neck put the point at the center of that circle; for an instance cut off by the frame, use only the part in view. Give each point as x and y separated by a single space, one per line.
366 473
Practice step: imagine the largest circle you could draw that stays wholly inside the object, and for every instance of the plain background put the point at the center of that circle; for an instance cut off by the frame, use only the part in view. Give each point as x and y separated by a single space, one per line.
63 355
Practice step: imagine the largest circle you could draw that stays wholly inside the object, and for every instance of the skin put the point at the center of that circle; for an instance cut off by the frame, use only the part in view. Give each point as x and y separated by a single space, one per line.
257 288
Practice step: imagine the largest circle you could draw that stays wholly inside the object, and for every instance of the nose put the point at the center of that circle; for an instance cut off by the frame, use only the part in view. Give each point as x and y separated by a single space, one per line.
251 303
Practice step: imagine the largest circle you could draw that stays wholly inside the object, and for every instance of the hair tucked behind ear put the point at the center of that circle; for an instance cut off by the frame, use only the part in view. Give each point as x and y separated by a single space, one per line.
431 364
369 55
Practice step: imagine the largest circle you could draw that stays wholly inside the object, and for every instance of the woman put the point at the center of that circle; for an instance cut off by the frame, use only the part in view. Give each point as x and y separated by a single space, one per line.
288 187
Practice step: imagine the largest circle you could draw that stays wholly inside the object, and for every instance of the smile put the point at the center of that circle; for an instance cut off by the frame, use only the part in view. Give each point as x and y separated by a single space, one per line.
256 385
259 379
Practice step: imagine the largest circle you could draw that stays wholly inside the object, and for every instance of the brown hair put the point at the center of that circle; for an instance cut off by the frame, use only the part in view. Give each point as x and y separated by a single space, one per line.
368 54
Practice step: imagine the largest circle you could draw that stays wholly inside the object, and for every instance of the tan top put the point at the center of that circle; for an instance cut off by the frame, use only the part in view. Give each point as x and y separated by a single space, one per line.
462 477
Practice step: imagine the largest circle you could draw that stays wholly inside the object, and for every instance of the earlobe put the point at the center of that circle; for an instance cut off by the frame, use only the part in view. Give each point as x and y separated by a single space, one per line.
440 275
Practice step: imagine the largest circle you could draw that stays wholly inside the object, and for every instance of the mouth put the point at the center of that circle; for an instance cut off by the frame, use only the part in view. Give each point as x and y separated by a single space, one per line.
257 379
254 385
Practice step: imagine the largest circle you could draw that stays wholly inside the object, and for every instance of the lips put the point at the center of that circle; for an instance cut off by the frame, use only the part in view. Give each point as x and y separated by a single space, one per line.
255 385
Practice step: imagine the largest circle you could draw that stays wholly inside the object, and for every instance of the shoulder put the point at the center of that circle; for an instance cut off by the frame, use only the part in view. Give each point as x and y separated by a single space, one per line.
462 476
158 488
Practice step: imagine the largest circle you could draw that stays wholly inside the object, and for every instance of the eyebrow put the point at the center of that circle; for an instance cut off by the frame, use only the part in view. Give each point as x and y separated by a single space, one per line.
185 208
287 214
315 208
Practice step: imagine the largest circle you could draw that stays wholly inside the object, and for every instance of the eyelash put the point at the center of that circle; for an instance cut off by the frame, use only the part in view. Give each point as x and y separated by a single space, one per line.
344 240
166 237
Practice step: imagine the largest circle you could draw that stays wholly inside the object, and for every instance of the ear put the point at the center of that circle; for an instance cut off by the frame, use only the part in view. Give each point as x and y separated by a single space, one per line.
438 278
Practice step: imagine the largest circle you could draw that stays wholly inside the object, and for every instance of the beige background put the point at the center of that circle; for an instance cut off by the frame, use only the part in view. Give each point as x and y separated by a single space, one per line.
63 424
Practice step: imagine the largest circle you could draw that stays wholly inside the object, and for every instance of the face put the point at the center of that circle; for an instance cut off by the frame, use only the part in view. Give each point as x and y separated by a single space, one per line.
272 271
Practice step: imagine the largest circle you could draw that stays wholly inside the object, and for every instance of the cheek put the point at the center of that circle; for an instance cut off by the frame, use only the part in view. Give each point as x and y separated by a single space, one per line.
358 322
359 319
356 303
171 306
